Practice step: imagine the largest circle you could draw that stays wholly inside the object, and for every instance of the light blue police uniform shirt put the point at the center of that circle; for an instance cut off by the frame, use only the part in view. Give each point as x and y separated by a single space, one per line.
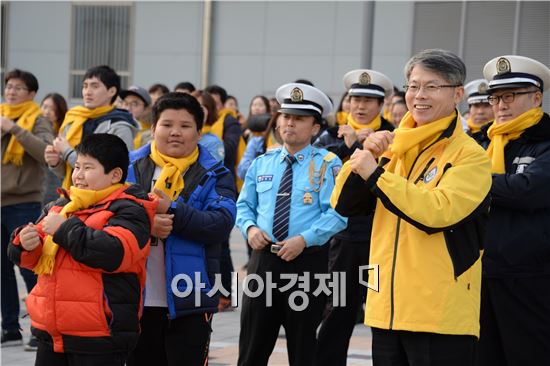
316 222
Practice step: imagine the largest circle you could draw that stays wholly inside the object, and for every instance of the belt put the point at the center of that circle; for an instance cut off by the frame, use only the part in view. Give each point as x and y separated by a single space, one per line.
274 248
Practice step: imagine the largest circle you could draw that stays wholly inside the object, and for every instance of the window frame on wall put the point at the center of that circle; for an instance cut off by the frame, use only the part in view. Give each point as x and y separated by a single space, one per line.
76 72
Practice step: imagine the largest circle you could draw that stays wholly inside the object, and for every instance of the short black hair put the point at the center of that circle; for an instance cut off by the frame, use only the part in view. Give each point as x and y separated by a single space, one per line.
175 100
108 149
159 87
28 78
185 85
108 77
216 89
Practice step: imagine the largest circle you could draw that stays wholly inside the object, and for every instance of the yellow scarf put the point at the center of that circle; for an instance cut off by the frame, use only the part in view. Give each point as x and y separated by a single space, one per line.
144 127
27 113
475 128
76 117
80 199
387 115
217 129
410 139
342 117
374 124
170 179
501 134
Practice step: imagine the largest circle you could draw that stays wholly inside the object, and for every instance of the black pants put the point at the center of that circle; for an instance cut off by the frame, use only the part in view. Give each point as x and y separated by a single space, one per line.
182 341
260 323
338 324
515 322
226 266
402 348
45 356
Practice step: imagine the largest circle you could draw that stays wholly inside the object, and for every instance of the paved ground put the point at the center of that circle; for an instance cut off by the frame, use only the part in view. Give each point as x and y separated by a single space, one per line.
225 337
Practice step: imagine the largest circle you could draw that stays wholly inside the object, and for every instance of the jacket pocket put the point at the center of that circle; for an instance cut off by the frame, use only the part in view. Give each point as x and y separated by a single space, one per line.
464 243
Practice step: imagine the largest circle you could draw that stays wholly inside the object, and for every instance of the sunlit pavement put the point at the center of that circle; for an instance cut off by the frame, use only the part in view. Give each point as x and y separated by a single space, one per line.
225 336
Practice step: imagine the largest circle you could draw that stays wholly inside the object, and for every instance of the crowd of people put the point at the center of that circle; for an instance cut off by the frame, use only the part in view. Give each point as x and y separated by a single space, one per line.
118 215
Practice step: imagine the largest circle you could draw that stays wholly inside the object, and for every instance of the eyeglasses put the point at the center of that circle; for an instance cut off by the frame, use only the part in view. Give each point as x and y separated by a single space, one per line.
17 88
506 97
429 89
132 104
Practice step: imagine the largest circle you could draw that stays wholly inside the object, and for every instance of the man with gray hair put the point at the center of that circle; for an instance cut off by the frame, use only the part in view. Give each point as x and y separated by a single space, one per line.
430 198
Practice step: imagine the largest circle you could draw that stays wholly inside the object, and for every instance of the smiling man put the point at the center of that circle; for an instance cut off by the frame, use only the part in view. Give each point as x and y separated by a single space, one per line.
349 249
284 213
515 301
100 89
430 197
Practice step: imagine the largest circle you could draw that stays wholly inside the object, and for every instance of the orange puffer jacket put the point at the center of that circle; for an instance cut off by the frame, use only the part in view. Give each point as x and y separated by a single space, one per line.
92 301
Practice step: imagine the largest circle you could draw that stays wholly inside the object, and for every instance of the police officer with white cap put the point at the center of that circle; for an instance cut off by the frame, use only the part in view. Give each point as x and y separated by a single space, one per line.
350 248
515 296
481 112
284 212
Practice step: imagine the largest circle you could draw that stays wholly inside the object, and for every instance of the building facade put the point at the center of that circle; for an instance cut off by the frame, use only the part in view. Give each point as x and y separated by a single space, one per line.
253 47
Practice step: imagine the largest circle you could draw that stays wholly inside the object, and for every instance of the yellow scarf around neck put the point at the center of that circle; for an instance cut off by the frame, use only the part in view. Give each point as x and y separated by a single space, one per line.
144 127
474 128
410 139
387 115
501 134
27 113
75 119
81 199
217 129
373 125
170 180
342 118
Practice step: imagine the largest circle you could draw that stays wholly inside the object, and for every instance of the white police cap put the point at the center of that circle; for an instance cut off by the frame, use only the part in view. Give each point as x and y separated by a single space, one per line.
477 91
511 71
303 100
367 83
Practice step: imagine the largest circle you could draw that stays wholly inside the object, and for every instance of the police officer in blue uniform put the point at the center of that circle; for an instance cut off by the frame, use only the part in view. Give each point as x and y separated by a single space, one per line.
284 212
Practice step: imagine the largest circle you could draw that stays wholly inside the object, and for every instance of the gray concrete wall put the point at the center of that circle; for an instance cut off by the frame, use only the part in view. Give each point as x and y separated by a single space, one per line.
38 40
258 46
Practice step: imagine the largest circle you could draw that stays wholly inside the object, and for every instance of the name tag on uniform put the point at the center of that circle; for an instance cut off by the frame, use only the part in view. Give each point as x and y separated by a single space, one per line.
265 178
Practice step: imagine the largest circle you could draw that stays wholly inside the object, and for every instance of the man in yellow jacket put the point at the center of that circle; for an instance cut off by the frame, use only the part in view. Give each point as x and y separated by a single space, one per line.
429 193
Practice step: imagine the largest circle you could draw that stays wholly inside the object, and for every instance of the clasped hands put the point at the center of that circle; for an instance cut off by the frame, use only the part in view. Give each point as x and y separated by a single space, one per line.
363 162
291 247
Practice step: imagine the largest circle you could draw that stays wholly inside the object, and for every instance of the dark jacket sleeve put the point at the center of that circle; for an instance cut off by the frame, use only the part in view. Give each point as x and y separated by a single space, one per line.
114 248
231 138
212 225
352 195
527 191
22 257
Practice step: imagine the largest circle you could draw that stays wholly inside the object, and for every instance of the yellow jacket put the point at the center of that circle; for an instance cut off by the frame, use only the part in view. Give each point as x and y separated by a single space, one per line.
427 235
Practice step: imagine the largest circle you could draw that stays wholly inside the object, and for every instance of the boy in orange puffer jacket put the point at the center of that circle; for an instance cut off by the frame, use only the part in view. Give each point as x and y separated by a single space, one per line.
89 249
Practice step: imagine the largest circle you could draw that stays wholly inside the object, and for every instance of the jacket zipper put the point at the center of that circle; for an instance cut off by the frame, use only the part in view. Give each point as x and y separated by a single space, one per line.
392 289
393 270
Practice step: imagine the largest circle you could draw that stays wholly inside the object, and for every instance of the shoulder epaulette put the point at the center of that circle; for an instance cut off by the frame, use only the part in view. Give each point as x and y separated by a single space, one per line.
273 151
329 156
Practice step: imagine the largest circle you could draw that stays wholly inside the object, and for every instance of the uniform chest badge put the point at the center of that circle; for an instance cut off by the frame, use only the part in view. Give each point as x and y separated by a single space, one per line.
308 198
430 175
